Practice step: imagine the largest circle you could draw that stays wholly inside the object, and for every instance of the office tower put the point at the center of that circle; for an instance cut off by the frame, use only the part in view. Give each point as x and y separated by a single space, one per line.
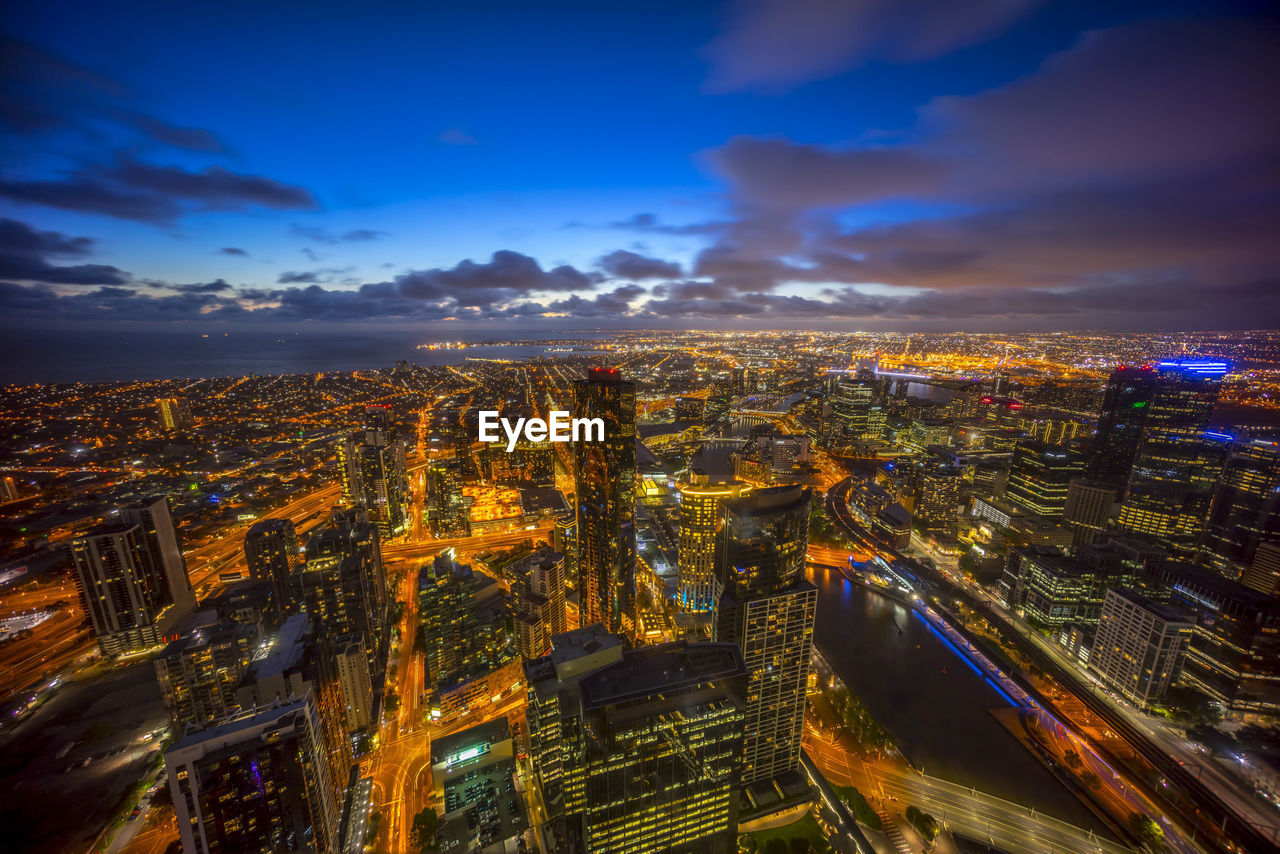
1055 590
1263 574
160 538
342 585
175 413
446 611
1176 394
690 409
1246 506
700 510
937 487
272 552
637 751
537 600
1039 476
851 398
767 607
255 781
605 474
371 466
1171 489
1140 645
718 401
448 511
1088 507
1234 655
200 671
745 379
294 663
131 579
8 490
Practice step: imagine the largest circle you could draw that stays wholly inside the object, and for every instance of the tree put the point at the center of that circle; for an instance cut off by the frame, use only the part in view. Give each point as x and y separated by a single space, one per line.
1191 708
799 845
776 845
1090 780
925 824
1073 760
392 703
1146 830
422 832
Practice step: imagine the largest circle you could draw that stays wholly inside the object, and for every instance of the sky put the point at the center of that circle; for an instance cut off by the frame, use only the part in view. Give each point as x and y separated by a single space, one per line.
882 164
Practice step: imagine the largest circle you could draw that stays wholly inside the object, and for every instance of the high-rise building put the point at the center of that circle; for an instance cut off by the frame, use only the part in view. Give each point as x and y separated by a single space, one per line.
1088 508
160 538
175 413
448 511
272 552
1246 506
1234 655
255 781
536 600
637 751
342 586
1171 489
1176 394
1039 476
132 579
446 610
371 466
605 474
851 397
767 607
936 483
700 512
1263 574
1139 646
200 671
8 490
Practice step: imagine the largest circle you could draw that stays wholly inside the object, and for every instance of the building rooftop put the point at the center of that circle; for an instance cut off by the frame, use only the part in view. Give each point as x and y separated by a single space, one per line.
1162 610
232 728
653 669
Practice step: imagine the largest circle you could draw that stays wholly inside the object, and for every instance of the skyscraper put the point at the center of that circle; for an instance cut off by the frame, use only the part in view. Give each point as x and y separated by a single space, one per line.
132 579
605 473
175 413
342 586
537 600
272 552
700 511
255 781
1039 477
767 607
1246 506
637 751
1140 645
448 511
371 466
1175 393
200 671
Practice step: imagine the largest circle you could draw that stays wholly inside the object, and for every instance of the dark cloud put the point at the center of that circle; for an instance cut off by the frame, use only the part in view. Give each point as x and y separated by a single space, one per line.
621 264
23 254
233 250
774 45
158 194
506 275
192 139
322 235
311 276
649 222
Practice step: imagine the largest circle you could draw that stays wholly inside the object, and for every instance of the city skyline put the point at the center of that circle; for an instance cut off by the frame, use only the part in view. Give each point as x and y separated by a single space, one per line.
1000 166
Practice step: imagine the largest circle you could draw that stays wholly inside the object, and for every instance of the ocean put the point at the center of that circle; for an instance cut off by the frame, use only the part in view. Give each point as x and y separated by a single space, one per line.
82 355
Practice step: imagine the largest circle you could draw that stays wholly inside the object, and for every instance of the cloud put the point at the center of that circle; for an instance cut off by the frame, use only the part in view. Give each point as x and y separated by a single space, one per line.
319 234
311 276
621 264
192 139
233 250
505 275
23 254
133 190
774 45
456 136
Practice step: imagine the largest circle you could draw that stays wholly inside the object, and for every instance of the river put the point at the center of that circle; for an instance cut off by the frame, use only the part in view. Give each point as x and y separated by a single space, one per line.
936 705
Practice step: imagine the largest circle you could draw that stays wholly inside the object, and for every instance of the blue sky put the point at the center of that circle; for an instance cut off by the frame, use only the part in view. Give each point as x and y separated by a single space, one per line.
899 163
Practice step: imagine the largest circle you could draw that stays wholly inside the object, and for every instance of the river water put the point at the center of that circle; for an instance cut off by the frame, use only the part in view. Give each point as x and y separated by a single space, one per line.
937 707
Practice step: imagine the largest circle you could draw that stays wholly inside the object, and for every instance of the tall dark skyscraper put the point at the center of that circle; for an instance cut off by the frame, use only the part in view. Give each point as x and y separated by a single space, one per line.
256 781
272 552
132 578
1173 394
768 608
342 586
371 465
637 751
1246 506
605 473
